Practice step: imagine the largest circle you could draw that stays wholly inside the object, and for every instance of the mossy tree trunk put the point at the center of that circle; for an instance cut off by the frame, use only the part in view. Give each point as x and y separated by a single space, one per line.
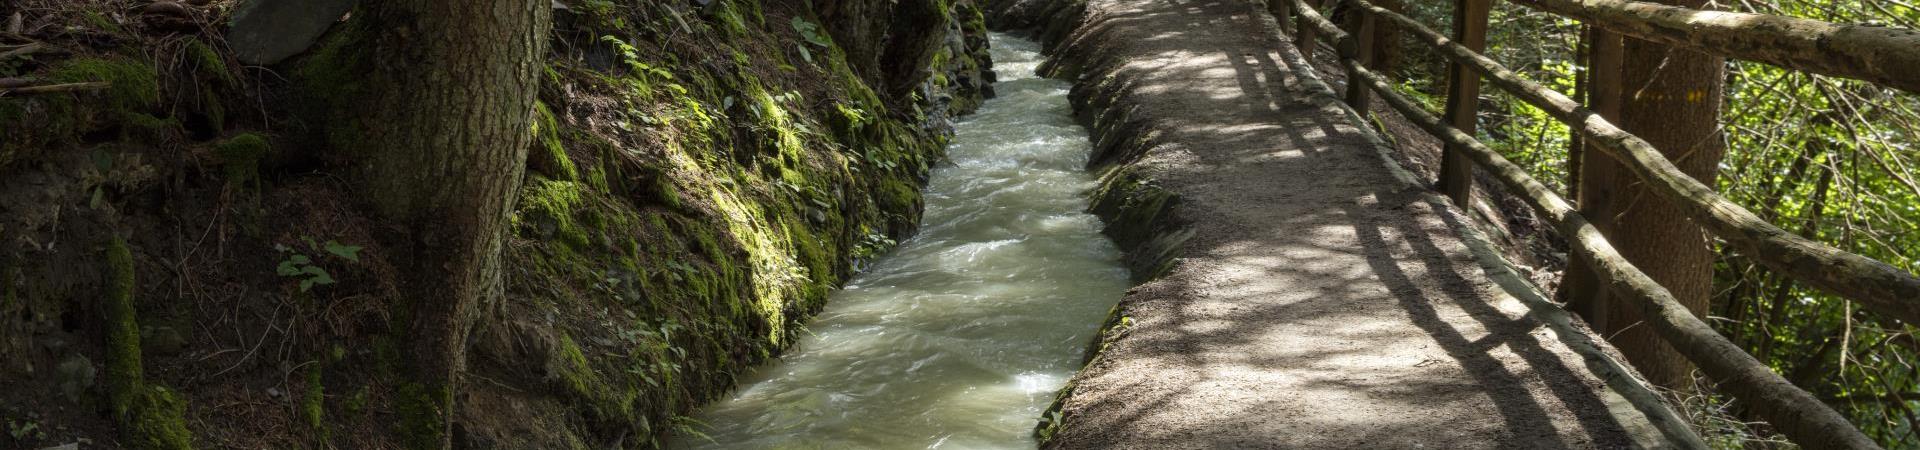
442 115
1670 97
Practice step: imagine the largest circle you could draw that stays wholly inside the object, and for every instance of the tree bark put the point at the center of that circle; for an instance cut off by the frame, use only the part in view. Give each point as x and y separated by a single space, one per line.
1670 97
448 94
916 33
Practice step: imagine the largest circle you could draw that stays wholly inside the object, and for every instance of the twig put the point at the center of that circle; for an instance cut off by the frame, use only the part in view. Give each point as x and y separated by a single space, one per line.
56 88
24 50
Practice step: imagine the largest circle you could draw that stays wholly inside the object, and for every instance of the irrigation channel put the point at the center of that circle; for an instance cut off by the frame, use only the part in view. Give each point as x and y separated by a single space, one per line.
959 337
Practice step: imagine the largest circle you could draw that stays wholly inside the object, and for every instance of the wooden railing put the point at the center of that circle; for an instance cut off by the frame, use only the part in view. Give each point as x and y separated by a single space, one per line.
1886 56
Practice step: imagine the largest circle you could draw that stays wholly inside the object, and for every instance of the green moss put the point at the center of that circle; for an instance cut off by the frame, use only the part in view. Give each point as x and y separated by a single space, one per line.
157 421
143 127
124 378
730 20
422 412
151 417
551 159
666 192
731 226
549 207
209 62
313 404
100 22
134 85
240 157
358 401
609 403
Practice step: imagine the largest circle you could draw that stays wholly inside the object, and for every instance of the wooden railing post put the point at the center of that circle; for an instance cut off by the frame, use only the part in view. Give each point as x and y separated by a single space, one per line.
1282 13
1463 99
1582 290
1303 35
1360 26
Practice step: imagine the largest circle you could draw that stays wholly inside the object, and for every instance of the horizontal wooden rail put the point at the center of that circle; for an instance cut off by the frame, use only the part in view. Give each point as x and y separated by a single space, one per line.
1878 286
1888 56
1792 411
1310 18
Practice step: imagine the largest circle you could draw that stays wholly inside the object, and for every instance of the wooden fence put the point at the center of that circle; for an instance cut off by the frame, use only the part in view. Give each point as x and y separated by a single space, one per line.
1882 55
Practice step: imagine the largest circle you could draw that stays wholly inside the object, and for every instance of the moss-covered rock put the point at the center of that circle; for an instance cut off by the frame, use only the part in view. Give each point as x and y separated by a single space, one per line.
240 158
33 125
150 416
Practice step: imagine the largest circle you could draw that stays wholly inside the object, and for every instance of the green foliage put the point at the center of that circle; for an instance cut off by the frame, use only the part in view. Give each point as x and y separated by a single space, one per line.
1830 159
642 78
813 35
297 265
22 429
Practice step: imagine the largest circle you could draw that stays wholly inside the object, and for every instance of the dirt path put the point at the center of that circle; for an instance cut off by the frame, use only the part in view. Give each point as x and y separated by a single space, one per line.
1323 301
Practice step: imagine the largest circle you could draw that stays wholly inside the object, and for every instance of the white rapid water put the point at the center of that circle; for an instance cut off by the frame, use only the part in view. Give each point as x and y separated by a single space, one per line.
959 338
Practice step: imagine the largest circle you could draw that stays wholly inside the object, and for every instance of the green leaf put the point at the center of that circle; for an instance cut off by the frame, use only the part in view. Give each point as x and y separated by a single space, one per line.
299 259
349 252
287 269
811 32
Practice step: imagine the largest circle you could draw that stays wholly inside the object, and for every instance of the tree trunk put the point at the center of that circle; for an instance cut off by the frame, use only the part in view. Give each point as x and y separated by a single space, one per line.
916 33
1671 98
448 94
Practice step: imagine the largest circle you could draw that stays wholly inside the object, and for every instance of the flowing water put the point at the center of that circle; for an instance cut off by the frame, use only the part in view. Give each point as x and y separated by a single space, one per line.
959 337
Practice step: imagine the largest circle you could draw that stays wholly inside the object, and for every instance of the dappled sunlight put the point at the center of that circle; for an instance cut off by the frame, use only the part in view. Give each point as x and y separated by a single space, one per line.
1321 303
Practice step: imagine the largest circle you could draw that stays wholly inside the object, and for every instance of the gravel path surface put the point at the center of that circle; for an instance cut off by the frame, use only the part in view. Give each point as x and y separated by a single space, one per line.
1322 302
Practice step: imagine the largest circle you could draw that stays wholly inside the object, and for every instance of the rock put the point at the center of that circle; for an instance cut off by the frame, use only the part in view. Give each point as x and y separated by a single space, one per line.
168 17
162 341
75 375
168 9
265 32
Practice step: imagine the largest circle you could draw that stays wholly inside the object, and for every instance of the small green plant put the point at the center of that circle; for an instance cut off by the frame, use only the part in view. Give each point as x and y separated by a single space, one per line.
688 426
298 265
24 430
813 34
644 76
873 244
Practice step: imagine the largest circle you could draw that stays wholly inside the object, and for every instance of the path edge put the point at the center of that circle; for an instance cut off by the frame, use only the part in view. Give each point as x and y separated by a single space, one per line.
1144 221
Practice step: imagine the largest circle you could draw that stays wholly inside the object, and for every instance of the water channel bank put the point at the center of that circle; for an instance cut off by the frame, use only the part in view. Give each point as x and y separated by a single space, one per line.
961 336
